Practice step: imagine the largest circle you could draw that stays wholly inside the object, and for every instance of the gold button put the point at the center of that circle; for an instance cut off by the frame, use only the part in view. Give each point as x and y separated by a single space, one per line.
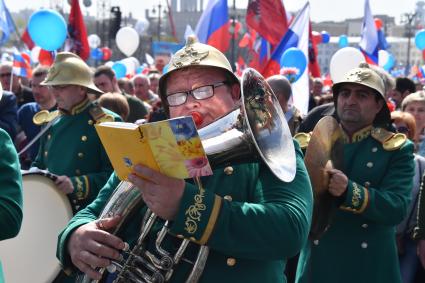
192 239
45 153
374 149
369 164
180 236
77 172
227 197
367 184
84 138
80 155
228 170
90 122
231 261
49 136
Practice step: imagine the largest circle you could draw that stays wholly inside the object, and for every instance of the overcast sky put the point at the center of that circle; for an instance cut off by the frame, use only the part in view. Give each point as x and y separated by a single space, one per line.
336 10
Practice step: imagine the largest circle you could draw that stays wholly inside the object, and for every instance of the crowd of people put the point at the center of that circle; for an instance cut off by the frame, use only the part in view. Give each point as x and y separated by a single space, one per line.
255 225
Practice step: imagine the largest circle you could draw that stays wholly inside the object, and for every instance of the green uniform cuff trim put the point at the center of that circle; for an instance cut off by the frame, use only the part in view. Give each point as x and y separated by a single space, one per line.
198 213
357 198
81 187
62 251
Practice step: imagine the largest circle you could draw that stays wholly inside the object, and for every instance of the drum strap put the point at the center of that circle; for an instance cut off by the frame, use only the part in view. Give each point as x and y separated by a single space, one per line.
38 136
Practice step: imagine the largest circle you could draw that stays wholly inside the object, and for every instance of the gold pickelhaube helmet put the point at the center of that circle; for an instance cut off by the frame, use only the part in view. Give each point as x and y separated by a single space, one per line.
69 69
364 75
195 54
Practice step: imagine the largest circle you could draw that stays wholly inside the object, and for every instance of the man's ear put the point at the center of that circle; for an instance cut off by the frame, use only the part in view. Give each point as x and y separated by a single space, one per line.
236 91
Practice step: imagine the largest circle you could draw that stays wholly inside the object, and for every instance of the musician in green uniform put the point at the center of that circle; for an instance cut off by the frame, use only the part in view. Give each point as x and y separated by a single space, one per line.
11 190
71 148
372 191
250 220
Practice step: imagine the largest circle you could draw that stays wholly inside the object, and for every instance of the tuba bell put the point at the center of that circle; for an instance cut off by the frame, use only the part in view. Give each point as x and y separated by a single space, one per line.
256 131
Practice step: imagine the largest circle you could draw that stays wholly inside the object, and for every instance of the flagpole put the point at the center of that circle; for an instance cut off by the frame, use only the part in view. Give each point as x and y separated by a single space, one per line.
232 56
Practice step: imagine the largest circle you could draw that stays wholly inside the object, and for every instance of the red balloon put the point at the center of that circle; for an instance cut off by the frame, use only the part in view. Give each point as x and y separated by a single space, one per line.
317 37
378 23
107 53
45 58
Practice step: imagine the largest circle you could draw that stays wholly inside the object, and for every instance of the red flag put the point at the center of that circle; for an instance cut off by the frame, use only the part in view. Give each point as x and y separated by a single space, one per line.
313 64
26 38
268 18
77 34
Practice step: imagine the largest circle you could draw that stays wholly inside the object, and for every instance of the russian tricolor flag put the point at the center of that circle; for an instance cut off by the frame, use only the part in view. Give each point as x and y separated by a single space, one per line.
296 36
372 40
22 65
213 26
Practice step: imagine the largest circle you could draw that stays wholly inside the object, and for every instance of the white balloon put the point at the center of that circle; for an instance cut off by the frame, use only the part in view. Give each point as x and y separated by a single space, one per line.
94 41
141 26
35 53
127 40
130 65
136 61
383 57
109 63
344 60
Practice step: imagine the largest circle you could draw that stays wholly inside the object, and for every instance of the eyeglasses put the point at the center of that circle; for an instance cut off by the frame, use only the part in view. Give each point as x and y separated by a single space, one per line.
200 93
403 130
5 75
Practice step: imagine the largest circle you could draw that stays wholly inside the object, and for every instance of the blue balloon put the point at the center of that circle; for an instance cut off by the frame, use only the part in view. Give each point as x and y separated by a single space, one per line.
293 58
420 39
119 69
96 54
325 37
140 69
343 41
390 63
165 70
47 29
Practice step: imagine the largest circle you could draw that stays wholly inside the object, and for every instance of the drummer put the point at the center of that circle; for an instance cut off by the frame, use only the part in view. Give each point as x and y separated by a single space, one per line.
71 148
11 190
372 191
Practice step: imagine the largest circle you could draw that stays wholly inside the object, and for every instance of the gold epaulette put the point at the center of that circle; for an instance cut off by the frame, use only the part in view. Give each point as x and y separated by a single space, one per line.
44 116
303 139
390 141
99 116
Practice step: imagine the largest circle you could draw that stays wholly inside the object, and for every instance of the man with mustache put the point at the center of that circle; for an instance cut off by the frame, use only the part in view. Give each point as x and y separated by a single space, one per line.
371 191
250 220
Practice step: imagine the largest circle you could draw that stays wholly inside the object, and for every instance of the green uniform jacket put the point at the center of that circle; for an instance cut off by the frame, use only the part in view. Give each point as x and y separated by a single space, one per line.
11 191
251 221
72 147
360 244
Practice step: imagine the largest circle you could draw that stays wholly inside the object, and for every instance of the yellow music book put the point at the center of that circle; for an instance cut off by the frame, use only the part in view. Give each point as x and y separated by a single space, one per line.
172 147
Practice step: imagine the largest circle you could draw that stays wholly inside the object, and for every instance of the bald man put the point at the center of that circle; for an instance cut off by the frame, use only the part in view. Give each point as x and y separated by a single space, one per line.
283 91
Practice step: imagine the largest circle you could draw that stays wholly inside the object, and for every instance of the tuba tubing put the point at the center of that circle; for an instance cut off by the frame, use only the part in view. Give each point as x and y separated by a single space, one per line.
256 131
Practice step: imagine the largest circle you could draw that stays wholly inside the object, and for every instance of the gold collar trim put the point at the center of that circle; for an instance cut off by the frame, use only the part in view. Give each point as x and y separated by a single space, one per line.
357 136
78 108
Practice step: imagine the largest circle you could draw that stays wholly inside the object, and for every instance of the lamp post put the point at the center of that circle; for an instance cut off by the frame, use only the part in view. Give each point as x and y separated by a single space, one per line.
158 32
407 19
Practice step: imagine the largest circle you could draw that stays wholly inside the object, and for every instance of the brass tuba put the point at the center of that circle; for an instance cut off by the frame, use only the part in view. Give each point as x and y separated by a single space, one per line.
256 131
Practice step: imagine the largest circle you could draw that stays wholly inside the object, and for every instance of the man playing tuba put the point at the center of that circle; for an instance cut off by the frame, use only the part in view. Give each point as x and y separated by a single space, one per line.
250 220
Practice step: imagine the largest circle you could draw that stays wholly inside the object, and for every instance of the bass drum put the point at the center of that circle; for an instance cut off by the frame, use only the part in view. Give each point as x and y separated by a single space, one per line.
31 256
